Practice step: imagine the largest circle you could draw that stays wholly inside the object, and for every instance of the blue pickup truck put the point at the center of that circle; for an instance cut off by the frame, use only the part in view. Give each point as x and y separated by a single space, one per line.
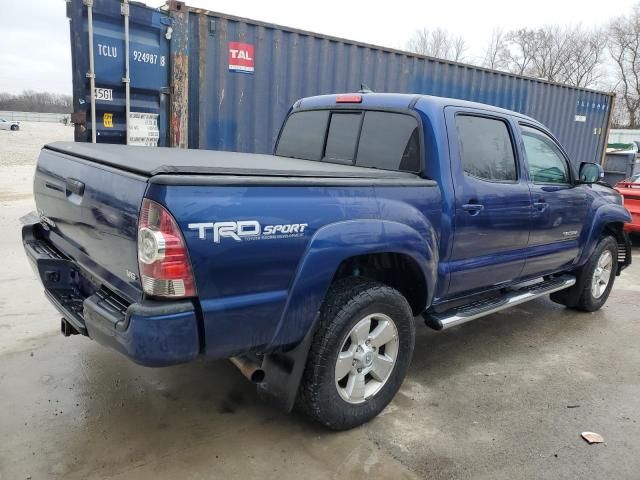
307 268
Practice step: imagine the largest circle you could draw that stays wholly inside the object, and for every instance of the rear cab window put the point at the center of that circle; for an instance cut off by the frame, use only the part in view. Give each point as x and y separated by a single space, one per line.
342 138
303 135
368 138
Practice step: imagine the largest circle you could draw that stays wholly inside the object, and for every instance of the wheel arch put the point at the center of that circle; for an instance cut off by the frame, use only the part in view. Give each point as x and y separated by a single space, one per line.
608 219
397 270
337 249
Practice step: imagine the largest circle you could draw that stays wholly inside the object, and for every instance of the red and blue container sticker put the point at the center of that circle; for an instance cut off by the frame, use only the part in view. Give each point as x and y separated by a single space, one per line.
241 58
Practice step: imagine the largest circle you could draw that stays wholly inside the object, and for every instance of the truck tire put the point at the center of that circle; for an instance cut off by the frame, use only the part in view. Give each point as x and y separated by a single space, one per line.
594 280
360 353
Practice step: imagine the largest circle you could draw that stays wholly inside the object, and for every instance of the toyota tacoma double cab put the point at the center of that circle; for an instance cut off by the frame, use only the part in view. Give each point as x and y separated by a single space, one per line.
308 267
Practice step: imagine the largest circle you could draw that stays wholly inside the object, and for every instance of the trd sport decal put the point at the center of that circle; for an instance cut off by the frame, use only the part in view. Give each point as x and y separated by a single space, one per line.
247 230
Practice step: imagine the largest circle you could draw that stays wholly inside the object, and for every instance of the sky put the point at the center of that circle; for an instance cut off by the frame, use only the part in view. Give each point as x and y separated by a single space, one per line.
35 52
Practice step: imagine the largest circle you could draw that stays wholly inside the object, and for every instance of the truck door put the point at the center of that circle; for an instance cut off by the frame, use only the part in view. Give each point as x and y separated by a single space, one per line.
560 207
492 201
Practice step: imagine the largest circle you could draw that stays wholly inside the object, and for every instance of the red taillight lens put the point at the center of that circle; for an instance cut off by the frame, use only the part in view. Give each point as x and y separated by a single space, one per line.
162 256
349 98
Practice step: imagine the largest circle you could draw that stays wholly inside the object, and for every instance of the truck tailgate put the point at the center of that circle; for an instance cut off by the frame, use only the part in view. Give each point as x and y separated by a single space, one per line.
91 211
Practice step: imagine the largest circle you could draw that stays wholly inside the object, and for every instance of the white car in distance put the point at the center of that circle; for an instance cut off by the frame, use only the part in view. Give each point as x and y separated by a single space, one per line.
9 125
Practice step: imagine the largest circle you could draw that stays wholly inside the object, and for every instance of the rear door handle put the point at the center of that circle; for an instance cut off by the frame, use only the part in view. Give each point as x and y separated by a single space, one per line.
473 208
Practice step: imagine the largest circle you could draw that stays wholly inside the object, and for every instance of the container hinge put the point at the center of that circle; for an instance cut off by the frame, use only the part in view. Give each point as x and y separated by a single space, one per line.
124 9
88 3
90 75
125 80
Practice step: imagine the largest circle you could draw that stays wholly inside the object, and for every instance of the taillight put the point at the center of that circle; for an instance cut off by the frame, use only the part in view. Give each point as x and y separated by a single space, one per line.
162 256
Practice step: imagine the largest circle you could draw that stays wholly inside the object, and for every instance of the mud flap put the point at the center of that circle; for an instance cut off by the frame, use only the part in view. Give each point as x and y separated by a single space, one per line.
283 372
624 252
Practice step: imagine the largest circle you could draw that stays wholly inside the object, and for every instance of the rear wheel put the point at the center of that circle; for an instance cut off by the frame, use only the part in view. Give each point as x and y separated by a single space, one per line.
360 353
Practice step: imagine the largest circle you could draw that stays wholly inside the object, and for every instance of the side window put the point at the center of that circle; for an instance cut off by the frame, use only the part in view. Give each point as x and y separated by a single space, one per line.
389 141
343 136
485 148
546 162
303 135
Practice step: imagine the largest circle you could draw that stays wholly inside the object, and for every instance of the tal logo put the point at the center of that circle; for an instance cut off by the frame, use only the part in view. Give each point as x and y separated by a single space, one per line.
241 58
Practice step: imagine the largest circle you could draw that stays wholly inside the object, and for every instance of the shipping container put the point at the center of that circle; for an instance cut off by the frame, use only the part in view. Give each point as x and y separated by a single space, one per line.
208 80
149 68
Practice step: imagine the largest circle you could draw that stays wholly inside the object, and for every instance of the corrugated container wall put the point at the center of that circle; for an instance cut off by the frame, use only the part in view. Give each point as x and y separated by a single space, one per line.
149 68
242 76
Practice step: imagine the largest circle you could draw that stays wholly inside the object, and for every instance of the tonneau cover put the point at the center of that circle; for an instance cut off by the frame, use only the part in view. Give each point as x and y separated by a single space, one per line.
150 161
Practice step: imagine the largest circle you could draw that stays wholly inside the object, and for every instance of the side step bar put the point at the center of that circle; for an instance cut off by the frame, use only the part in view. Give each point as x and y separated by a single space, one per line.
481 308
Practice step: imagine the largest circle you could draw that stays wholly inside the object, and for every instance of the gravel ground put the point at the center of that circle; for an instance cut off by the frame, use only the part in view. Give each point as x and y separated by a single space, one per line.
503 397
21 148
21 312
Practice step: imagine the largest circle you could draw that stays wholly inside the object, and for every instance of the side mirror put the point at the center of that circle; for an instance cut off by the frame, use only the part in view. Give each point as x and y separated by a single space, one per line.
590 172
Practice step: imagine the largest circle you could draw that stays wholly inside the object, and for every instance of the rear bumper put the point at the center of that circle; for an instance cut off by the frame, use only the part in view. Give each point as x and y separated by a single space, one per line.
149 333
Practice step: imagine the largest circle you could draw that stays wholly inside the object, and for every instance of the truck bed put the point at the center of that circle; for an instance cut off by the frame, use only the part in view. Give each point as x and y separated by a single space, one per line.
151 161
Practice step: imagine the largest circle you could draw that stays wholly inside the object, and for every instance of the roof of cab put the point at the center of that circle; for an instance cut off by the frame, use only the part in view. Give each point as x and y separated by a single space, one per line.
401 101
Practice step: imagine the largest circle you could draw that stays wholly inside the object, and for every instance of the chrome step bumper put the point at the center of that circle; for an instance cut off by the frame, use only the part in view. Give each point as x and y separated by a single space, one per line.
484 307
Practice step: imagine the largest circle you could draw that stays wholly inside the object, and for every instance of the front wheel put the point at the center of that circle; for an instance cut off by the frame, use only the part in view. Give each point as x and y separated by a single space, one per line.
595 279
360 353
15 128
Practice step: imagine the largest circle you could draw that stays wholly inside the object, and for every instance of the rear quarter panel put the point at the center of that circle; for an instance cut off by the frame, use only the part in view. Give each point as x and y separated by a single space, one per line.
257 293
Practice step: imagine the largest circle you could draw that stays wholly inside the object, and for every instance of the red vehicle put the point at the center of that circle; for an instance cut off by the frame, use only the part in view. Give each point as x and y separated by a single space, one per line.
630 190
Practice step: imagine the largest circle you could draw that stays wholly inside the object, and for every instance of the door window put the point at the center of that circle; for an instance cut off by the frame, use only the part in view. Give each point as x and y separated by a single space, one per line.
486 149
546 162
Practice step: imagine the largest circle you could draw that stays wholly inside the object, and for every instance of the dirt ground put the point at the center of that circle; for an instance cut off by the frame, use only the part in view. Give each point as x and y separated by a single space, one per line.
503 397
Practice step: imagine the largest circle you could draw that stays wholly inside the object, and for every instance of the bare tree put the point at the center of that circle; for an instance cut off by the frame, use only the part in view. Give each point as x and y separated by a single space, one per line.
438 43
624 47
522 48
585 57
496 55
30 101
568 55
550 53
572 55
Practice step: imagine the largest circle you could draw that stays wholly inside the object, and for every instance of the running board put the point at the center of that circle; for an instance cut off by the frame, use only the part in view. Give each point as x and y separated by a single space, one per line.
481 308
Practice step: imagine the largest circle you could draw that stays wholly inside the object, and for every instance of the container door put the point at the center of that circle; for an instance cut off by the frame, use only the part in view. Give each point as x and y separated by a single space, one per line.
149 34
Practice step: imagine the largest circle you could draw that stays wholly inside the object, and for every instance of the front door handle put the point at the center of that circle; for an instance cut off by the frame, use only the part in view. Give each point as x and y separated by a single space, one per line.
542 206
473 208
